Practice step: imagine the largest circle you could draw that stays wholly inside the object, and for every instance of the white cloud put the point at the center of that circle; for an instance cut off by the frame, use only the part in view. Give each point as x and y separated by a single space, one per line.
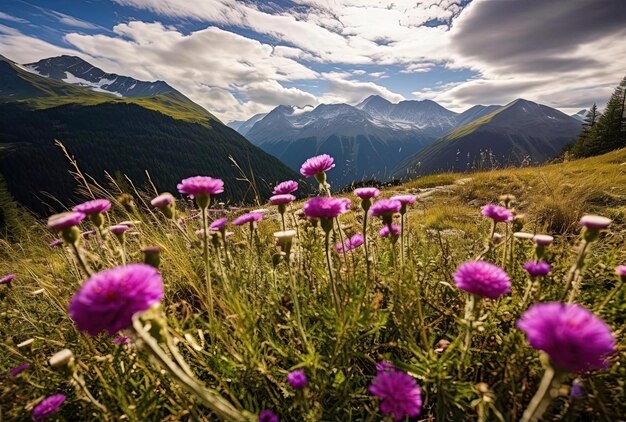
11 18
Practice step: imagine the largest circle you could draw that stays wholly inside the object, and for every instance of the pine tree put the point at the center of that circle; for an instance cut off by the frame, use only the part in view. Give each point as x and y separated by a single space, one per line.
591 117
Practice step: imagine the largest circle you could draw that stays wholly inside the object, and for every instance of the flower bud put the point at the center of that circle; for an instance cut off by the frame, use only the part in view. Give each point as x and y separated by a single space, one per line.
152 256
62 360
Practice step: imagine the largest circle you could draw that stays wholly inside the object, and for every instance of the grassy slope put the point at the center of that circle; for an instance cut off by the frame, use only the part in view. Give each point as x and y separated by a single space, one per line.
256 342
53 93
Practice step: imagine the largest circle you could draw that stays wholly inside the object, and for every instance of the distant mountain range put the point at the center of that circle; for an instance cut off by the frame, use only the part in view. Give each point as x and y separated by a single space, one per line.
521 132
377 139
113 124
580 115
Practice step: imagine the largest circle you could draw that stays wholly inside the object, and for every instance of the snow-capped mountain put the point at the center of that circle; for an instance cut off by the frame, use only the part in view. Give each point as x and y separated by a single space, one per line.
427 116
74 70
367 147
244 126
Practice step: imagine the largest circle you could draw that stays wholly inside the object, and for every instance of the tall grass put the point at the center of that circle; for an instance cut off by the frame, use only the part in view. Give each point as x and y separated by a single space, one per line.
410 315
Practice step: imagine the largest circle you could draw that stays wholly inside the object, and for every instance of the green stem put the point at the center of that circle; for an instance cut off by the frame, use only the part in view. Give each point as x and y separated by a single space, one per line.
81 259
470 317
572 279
402 240
333 287
296 305
207 269
213 400
543 397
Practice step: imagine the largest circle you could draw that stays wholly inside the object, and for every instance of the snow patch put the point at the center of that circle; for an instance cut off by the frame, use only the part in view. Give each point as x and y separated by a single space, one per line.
94 86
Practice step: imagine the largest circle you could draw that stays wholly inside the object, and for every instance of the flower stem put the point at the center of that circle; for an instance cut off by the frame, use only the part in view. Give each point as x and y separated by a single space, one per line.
543 397
470 316
207 269
212 399
333 287
296 305
572 279
81 259
402 240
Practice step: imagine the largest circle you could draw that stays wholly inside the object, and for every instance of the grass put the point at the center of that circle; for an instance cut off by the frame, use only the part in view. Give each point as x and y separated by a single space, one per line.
399 314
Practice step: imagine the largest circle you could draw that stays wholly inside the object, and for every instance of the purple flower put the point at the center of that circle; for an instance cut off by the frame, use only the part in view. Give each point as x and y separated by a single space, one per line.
218 224
119 229
7 279
395 230
163 200
110 298
385 208
537 268
385 366
283 198
95 206
288 186
366 193
250 217
201 185
65 220
267 416
351 243
482 279
15 371
621 271
575 339
55 243
399 394
326 207
121 340
497 213
297 379
318 164
595 222
577 391
405 199
48 406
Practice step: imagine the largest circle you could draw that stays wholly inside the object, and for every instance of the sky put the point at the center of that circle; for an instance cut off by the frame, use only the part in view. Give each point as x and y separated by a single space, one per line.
241 57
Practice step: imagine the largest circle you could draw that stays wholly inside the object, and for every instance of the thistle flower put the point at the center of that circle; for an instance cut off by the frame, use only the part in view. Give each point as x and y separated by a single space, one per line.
65 220
395 231
152 256
108 300
316 165
595 222
7 279
385 208
55 243
297 379
326 207
201 188
575 339
351 243
95 206
288 186
399 393
621 272
282 199
119 229
405 200
537 268
483 279
267 416
497 213
250 217
367 193
163 200
48 406
18 369
166 203
218 224
543 239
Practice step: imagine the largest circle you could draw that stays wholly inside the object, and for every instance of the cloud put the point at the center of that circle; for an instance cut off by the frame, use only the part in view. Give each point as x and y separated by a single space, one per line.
11 18
344 90
71 20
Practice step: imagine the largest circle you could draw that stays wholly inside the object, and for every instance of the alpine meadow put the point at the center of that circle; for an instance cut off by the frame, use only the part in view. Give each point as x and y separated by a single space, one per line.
311 210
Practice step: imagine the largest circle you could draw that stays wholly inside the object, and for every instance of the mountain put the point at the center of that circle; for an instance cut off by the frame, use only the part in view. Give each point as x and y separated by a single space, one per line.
580 115
169 139
429 117
364 147
473 113
244 126
521 132
74 70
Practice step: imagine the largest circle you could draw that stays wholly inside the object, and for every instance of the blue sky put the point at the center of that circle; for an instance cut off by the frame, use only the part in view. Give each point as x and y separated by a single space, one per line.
238 58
